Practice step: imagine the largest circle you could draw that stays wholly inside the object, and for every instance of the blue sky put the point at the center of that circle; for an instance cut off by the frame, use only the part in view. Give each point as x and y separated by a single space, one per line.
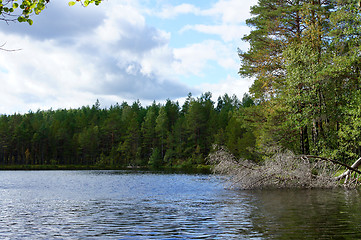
123 50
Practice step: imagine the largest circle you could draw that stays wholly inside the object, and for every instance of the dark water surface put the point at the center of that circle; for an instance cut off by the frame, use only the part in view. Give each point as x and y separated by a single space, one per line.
141 205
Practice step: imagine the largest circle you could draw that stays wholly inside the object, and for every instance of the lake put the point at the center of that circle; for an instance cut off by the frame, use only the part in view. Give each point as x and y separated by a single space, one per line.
146 205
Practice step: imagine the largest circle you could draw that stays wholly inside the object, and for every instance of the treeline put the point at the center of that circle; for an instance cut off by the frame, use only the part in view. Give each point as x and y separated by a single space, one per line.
127 135
305 57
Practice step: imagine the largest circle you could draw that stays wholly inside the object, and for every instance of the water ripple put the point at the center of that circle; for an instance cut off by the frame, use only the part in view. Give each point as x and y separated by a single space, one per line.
122 205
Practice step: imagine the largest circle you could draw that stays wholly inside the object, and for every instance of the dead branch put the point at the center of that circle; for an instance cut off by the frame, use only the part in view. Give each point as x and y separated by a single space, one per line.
7 50
351 168
283 170
347 173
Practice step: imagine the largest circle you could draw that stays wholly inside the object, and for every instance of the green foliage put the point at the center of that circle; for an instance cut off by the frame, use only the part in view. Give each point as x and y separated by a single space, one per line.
350 129
155 160
240 139
305 58
161 127
125 135
150 139
200 124
23 10
86 2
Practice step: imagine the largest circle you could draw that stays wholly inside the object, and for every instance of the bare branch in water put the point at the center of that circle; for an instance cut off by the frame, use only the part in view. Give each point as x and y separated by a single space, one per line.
351 168
283 170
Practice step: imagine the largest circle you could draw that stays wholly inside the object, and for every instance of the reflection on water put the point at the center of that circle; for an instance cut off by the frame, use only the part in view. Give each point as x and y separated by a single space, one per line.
123 205
308 214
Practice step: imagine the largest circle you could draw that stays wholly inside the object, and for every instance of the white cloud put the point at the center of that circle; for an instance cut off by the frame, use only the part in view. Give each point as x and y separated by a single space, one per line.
230 85
111 53
195 57
229 18
158 61
121 58
169 11
228 11
228 33
231 11
38 79
116 26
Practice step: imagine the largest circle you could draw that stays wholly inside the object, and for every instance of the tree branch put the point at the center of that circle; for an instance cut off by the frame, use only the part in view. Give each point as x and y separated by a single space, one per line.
8 50
352 168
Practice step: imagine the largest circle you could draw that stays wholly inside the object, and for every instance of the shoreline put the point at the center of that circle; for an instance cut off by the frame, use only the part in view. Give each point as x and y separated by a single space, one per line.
174 169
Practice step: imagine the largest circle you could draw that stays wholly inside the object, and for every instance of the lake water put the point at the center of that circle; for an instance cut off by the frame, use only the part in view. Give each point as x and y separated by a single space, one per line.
144 205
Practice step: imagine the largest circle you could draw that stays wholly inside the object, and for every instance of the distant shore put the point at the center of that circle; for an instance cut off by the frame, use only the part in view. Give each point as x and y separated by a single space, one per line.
194 169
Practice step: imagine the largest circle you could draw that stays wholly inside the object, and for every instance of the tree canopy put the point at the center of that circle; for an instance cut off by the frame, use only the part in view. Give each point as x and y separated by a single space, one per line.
305 58
126 135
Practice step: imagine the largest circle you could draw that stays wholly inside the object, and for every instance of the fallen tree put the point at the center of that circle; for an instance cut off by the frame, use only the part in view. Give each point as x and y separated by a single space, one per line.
284 170
351 174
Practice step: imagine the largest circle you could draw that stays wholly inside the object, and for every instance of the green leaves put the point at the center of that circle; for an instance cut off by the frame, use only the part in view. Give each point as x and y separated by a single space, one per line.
85 3
25 19
27 8
305 59
21 19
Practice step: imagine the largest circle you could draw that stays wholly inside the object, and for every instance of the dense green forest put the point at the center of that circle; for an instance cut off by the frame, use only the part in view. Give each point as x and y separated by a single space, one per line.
126 135
305 57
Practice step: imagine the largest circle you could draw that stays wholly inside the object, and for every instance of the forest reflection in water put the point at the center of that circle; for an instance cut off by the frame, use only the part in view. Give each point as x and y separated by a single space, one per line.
145 205
307 214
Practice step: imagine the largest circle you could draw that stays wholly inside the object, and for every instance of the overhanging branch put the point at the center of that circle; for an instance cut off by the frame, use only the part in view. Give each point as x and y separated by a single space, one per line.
334 161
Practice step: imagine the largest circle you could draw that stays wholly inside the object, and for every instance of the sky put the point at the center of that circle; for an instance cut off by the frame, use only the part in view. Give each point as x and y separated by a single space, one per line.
123 50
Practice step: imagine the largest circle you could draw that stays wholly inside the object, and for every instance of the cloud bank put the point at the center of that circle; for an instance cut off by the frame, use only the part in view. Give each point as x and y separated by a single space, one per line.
72 56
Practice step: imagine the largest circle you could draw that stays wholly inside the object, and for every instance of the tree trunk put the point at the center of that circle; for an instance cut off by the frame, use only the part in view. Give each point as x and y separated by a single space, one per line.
352 168
305 149
347 173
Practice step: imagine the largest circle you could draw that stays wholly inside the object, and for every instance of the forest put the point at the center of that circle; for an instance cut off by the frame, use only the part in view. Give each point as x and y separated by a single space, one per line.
305 59
126 135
